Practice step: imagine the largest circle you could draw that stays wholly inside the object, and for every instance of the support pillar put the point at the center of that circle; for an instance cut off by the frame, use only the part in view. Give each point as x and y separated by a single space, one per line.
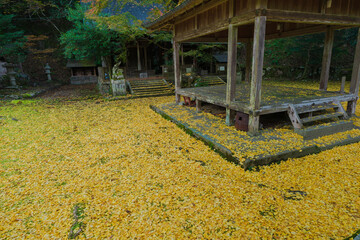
248 60
231 73
257 70
138 56
182 55
355 78
145 56
176 55
198 105
326 61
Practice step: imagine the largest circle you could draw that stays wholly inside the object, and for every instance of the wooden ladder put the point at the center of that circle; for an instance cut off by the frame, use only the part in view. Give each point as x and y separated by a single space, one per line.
301 114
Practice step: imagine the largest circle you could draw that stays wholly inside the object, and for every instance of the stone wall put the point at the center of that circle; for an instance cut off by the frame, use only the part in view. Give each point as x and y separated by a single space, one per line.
78 80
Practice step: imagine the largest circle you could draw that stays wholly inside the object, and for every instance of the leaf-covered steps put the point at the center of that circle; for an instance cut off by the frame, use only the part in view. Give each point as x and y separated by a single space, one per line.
150 87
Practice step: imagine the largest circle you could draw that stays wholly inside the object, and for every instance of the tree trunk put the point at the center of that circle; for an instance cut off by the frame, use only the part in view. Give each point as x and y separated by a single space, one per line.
306 68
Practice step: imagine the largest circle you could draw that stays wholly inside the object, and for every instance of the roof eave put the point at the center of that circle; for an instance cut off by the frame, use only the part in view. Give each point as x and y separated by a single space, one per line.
166 18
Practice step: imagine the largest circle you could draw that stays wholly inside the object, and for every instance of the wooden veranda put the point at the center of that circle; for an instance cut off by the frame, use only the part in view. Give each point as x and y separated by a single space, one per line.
252 22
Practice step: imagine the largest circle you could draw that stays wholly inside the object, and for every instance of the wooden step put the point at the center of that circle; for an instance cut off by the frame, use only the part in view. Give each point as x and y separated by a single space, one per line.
321 117
316 107
321 130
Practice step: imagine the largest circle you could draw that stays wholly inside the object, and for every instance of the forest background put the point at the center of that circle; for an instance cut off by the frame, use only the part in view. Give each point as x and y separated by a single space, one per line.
36 32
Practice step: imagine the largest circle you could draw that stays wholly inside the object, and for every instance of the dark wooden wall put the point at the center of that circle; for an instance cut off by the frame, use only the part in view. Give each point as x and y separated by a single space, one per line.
213 17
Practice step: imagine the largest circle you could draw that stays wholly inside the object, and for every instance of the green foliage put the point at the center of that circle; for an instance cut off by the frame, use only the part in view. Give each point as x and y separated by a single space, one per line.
11 41
203 54
96 35
301 56
88 38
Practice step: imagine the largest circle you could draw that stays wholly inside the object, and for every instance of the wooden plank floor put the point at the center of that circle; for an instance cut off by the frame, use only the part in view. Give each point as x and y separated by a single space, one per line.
274 98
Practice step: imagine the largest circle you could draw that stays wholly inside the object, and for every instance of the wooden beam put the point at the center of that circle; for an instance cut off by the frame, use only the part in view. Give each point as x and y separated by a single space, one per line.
303 31
219 40
198 10
355 78
248 62
176 56
326 61
231 72
244 19
310 18
257 71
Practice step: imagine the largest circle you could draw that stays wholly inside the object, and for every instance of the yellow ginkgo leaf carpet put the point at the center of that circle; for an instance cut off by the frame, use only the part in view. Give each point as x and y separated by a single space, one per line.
118 170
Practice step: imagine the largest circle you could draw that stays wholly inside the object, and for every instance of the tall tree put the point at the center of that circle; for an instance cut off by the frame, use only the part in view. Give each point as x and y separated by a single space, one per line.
11 41
49 11
88 38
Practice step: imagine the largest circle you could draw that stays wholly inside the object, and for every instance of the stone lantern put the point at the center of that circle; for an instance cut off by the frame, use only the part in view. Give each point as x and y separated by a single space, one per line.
48 72
11 72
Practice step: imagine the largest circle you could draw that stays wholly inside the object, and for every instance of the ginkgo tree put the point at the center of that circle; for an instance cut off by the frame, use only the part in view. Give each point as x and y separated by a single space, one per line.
98 34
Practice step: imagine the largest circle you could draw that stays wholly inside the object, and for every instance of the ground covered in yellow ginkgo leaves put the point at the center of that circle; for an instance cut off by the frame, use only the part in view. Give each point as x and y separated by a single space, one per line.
118 170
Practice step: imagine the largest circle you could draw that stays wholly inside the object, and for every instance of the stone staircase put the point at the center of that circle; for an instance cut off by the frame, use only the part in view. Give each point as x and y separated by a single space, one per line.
317 119
150 87
212 80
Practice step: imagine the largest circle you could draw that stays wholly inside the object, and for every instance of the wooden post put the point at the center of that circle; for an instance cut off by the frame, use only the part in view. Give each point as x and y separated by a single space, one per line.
248 60
343 80
145 57
231 72
355 78
182 54
231 8
257 70
198 105
326 62
261 4
138 56
176 48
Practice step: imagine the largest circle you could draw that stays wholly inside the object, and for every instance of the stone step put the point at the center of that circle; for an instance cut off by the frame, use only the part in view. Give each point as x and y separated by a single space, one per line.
149 93
152 90
321 130
148 85
146 81
322 117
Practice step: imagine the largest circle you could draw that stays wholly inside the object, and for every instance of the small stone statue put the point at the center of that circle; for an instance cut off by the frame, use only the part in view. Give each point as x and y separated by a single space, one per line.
118 81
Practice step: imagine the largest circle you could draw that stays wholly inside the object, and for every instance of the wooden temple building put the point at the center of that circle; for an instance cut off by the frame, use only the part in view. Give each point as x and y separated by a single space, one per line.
252 22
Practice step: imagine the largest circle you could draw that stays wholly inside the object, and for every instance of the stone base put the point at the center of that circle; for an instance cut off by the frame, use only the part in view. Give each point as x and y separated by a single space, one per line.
270 146
104 88
118 87
79 80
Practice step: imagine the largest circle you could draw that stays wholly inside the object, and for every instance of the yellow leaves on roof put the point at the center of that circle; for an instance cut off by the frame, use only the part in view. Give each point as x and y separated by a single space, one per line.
140 176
